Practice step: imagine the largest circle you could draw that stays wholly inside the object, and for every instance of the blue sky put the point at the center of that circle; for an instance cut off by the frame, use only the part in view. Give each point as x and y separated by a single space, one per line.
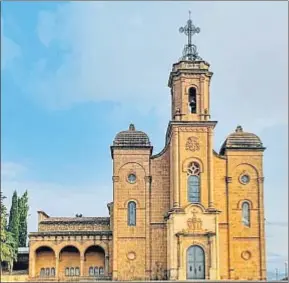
74 74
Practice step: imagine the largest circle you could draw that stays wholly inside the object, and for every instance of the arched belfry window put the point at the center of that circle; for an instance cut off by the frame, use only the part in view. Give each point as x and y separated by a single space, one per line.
193 100
131 213
193 173
246 214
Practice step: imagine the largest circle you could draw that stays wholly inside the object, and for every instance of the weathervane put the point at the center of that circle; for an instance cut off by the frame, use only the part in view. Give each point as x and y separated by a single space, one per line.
190 50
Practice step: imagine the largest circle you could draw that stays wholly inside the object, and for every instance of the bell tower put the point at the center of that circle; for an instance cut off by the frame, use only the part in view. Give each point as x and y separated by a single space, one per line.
190 82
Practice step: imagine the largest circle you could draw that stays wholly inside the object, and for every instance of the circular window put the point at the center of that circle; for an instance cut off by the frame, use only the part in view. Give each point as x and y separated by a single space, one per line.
245 179
131 178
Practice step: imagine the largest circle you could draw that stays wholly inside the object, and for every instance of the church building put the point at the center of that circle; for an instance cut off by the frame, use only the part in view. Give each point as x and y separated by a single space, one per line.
184 213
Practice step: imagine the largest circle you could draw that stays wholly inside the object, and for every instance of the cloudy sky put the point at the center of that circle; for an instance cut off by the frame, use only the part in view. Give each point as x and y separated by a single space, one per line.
74 74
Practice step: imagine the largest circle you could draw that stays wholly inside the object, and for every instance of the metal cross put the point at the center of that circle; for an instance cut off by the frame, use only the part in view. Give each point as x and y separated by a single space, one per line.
190 50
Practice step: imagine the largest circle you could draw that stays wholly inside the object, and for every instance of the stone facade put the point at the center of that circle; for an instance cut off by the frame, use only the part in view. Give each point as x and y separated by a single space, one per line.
185 213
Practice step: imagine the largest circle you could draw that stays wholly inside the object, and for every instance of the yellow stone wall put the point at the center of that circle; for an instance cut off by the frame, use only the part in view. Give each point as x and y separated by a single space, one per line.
166 223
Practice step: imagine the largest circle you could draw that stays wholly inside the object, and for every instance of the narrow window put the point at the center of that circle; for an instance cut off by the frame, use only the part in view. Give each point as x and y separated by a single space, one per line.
52 272
42 272
246 214
67 271
131 213
96 272
192 100
77 273
101 271
91 271
47 272
193 173
71 271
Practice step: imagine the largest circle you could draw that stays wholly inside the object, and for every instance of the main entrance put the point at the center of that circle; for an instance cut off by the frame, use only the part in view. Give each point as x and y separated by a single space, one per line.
195 263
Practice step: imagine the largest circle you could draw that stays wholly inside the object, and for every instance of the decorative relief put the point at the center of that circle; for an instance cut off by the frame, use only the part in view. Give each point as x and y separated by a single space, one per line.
193 144
131 255
246 255
194 224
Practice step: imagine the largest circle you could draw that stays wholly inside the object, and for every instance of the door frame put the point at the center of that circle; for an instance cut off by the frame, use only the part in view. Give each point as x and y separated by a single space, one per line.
204 262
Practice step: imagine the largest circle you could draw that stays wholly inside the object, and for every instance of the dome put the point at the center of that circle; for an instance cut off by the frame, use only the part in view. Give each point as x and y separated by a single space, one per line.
241 140
131 138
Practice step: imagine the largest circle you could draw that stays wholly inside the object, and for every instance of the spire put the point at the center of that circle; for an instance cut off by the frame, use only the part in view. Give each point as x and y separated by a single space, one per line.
190 50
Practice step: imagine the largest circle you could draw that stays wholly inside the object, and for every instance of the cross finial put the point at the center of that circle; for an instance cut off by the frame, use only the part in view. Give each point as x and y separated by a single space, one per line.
190 50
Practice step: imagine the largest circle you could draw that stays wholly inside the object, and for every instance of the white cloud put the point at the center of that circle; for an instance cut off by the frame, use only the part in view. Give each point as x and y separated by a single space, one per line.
55 199
10 50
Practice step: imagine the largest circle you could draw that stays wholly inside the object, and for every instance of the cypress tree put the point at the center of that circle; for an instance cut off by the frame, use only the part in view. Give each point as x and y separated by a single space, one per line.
13 226
23 214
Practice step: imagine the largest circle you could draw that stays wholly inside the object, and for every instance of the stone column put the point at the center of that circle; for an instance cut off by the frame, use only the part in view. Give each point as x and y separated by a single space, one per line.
175 164
82 265
148 180
106 265
262 230
32 259
57 265
210 167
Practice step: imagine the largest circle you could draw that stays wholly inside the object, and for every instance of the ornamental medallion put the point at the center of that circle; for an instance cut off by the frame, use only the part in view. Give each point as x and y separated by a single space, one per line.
193 144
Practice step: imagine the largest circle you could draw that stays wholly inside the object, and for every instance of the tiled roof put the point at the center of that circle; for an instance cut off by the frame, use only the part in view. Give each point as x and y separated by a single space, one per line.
241 140
132 138
96 220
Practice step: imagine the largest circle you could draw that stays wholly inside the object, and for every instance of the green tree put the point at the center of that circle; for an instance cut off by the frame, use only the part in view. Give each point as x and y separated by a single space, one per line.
8 253
13 226
23 214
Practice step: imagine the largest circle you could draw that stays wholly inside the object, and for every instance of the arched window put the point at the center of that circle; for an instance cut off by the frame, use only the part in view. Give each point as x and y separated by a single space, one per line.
52 272
193 100
71 273
246 214
131 213
67 271
91 271
193 173
42 272
101 271
77 272
47 272
96 271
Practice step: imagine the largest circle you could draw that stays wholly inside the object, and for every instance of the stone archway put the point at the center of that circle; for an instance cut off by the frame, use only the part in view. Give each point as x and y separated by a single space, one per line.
94 262
195 262
45 263
69 262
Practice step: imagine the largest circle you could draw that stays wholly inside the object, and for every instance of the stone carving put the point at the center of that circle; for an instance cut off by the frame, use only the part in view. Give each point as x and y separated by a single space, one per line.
246 255
131 255
192 144
159 271
194 224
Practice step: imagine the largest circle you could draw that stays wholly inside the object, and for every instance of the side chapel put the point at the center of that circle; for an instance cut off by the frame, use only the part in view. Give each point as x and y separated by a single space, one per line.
187 212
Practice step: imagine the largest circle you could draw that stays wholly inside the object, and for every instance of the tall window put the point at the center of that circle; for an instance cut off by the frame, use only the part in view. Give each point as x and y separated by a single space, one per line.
67 271
101 271
52 272
77 272
91 271
42 272
131 213
193 100
193 173
246 214
47 272
71 273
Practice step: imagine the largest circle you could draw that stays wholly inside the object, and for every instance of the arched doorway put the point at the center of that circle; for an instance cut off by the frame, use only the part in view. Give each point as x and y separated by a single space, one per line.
44 262
69 262
195 263
94 263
